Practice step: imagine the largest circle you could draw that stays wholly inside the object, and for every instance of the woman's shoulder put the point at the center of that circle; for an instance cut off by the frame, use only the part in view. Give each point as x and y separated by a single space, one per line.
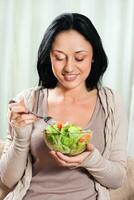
30 95
110 94
29 92
110 98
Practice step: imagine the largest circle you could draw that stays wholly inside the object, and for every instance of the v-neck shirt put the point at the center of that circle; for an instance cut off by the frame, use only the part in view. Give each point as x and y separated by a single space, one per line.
54 182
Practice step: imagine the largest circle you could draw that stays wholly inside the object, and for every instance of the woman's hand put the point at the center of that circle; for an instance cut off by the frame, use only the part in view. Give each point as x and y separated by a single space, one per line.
18 114
20 120
72 161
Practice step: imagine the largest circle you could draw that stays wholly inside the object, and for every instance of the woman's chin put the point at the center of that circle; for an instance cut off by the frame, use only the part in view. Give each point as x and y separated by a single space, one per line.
70 85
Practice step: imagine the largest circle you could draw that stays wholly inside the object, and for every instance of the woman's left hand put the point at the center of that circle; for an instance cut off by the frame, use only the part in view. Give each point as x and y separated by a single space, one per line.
72 161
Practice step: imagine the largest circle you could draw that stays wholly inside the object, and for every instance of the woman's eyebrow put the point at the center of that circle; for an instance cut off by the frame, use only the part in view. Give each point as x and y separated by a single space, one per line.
60 51
81 51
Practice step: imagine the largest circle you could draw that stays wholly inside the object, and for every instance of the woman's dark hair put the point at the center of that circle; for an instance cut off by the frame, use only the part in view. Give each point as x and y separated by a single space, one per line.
84 26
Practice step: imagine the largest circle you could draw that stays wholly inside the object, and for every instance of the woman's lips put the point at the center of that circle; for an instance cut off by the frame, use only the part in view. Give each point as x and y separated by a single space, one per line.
70 77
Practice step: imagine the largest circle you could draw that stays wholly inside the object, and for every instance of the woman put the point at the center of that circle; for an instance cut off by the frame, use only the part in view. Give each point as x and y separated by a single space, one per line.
71 63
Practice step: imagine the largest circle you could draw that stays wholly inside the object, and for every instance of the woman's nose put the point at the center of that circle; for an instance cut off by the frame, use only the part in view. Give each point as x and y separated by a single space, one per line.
69 66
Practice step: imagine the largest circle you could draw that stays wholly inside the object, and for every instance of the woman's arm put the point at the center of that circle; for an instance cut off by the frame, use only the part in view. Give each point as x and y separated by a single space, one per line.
14 157
107 172
111 171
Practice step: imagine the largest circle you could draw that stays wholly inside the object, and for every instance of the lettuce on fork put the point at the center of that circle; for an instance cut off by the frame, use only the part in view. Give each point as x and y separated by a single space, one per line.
67 138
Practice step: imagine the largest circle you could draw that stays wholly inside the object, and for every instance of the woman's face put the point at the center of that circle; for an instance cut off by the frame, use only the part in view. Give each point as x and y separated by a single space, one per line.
71 59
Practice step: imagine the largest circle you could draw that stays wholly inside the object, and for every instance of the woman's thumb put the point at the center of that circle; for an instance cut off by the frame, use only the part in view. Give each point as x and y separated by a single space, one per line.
90 147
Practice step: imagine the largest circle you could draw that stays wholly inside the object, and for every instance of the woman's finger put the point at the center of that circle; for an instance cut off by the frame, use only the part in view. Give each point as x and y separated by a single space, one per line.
13 105
67 159
19 108
63 162
90 147
73 159
10 105
16 115
21 123
23 117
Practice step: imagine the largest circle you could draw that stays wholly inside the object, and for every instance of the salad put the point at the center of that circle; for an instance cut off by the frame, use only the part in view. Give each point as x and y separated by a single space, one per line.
67 138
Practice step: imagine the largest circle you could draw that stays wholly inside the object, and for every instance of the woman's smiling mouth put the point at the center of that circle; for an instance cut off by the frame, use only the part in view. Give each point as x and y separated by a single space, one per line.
70 77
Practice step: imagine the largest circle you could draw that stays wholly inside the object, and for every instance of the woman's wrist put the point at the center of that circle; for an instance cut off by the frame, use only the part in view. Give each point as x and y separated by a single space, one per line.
21 144
23 132
22 138
92 159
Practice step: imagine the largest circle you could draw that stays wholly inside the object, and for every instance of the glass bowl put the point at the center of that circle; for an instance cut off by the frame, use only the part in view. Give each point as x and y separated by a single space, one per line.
68 139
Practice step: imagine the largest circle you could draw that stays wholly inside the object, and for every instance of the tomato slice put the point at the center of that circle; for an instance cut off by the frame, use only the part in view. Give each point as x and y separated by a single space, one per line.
59 125
85 137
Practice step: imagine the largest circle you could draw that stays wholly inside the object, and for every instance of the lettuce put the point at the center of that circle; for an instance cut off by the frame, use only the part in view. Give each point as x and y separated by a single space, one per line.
66 138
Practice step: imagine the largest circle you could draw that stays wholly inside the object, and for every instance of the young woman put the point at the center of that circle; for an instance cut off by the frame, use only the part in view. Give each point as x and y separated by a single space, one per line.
71 63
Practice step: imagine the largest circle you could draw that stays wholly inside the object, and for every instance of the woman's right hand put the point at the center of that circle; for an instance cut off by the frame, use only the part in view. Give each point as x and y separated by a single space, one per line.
20 119
19 115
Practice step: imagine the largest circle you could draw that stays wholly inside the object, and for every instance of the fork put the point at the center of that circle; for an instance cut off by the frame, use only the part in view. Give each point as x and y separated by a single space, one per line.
49 120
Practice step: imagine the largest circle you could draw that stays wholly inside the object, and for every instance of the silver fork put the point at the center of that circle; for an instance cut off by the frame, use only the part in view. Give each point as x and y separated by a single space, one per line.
49 120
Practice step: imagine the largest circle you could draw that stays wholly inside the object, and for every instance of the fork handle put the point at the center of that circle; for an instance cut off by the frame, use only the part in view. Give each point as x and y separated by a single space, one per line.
30 112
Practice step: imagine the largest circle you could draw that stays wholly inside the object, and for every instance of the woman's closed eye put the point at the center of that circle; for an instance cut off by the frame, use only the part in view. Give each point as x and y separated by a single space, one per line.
79 59
60 58
63 58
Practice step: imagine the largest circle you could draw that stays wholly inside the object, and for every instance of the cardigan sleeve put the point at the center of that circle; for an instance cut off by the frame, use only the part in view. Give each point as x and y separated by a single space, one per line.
15 154
111 171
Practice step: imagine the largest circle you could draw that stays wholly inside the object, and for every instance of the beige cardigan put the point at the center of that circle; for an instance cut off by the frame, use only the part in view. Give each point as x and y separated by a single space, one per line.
113 162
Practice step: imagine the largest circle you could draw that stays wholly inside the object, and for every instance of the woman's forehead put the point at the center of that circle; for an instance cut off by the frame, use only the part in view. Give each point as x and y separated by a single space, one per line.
71 40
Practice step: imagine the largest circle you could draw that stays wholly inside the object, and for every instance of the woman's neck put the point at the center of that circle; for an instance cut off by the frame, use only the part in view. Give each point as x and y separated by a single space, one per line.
71 95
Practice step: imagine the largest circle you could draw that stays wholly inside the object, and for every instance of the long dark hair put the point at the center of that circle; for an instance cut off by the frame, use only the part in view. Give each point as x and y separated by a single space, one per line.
85 27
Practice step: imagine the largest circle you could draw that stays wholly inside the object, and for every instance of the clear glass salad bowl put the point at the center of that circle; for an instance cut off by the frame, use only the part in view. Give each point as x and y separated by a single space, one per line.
66 138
